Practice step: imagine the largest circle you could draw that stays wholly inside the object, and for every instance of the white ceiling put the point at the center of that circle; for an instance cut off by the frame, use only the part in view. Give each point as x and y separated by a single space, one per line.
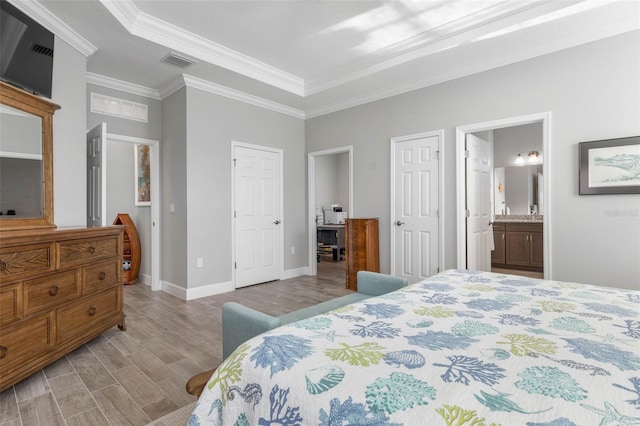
306 58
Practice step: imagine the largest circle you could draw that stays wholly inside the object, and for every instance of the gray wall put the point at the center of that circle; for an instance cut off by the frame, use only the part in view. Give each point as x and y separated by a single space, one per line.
121 197
592 92
174 184
69 136
120 162
213 122
508 142
332 180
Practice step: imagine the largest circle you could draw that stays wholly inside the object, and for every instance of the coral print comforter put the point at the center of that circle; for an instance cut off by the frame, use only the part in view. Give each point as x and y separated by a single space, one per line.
460 348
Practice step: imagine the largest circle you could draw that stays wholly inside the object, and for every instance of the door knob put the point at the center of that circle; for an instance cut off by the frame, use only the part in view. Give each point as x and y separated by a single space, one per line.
398 223
277 222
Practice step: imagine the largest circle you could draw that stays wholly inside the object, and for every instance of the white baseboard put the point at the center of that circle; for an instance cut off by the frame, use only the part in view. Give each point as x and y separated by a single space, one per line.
292 273
212 289
145 279
197 292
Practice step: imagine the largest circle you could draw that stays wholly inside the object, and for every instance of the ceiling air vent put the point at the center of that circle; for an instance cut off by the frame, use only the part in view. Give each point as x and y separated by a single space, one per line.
42 50
177 60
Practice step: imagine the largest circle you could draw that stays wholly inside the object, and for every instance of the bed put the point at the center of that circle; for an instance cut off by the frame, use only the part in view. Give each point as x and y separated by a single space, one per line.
460 348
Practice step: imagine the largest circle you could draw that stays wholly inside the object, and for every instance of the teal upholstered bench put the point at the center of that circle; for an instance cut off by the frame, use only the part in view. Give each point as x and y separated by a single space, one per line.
240 323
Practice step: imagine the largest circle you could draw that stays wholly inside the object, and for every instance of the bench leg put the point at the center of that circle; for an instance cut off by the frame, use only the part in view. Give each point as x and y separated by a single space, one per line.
196 384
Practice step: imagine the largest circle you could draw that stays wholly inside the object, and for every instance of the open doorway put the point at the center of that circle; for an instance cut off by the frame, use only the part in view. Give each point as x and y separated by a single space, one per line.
496 231
115 193
330 191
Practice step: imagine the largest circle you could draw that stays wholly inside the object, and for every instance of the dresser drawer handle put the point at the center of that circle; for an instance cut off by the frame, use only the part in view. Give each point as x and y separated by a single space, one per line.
92 311
3 351
102 276
3 265
53 290
92 249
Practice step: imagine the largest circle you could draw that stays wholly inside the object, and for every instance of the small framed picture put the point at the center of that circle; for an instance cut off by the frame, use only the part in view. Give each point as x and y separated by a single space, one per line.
610 166
142 160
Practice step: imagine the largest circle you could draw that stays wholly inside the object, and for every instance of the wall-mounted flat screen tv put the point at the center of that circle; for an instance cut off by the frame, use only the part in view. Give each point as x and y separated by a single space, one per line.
26 51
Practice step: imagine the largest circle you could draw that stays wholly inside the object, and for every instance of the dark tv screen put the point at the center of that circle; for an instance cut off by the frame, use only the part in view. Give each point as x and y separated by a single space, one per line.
26 51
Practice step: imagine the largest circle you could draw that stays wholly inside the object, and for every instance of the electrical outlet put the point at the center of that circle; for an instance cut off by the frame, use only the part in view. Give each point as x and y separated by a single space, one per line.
199 262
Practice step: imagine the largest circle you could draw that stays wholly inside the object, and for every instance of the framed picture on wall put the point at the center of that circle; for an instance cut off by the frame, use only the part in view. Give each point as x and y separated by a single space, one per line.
142 174
610 166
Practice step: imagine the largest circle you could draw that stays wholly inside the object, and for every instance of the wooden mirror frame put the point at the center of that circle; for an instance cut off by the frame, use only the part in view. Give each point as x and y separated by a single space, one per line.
43 108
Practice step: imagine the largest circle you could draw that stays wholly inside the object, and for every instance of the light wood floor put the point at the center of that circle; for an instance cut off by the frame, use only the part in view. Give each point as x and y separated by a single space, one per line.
530 274
133 377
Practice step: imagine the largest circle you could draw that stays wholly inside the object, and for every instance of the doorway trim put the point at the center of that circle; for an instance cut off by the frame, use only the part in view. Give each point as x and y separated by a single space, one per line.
311 189
461 194
156 284
280 153
441 211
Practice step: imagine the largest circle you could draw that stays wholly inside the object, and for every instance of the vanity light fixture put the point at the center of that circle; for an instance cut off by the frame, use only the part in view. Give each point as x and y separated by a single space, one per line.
519 159
532 157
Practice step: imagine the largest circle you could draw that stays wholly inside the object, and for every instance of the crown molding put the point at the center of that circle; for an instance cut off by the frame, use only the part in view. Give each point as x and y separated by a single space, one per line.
611 28
158 31
227 92
122 86
51 22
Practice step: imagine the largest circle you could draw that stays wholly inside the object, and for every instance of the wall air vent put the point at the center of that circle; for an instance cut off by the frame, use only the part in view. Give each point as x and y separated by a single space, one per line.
42 50
177 60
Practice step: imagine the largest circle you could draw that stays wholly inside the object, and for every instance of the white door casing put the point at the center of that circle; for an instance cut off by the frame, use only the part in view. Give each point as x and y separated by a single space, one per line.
478 177
311 180
461 190
97 175
258 214
416 181
97 196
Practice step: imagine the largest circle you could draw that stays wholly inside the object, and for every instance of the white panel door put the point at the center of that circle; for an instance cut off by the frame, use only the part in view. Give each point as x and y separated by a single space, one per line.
97 175
416 171
478 176
257 216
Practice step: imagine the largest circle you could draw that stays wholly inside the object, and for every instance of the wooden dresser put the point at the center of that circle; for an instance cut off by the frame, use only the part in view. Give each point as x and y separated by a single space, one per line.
362 248
59 288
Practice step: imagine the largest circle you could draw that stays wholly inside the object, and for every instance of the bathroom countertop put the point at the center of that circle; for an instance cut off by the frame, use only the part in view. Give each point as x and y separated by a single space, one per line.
519 218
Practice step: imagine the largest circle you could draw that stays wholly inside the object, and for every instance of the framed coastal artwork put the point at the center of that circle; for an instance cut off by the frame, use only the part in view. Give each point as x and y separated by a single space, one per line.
610 166
142 176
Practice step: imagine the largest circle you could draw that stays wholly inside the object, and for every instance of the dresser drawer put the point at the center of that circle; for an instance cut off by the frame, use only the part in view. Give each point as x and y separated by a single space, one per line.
26 339
75 252
10 303
75 319
50 291
101 276
24 260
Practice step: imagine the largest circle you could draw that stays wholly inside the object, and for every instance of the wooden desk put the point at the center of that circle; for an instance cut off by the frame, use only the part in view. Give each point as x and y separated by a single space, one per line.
333 236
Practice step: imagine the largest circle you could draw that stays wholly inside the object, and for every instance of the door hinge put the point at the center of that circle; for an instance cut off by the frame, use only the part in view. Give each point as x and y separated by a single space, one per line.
234 214
437 154
466 153
467 213
235 265
234 162
438 270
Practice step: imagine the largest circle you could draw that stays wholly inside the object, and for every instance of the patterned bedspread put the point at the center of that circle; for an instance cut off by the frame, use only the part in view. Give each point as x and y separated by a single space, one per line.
460 348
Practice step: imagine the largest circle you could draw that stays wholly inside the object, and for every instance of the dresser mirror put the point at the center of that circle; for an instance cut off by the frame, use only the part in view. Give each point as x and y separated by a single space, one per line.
26 160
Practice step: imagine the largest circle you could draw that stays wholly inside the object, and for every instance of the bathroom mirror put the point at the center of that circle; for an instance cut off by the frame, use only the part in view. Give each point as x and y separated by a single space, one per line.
26 161
518 190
